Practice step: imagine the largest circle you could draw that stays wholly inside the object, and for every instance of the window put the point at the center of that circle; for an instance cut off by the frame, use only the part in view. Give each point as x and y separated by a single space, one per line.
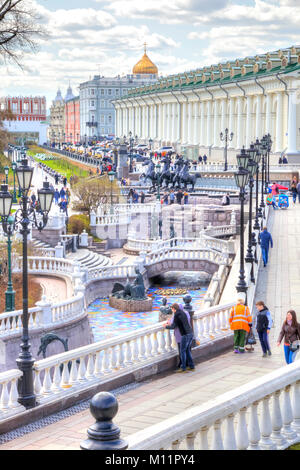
92 91
117 92
102 119
102 91
109 119
92 103
103 104
109 91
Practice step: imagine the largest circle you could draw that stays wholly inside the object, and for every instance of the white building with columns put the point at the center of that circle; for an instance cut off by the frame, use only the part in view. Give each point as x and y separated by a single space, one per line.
251 97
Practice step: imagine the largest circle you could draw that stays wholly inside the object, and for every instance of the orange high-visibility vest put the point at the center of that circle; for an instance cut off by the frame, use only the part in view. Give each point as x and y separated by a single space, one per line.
240 318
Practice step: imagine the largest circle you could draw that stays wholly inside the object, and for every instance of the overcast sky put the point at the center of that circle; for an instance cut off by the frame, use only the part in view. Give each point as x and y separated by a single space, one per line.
107 36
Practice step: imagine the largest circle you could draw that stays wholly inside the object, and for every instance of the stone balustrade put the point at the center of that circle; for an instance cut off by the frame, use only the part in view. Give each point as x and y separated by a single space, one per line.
186 253
111 272
90 364
261 415
9 405
110 219
45 314
49 266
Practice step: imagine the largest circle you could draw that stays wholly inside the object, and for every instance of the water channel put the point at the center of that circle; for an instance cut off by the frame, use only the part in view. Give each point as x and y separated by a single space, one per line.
107 322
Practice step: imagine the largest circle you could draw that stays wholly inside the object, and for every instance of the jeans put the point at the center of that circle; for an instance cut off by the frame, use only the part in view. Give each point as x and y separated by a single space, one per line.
265 253
289 355
264 341
294 197
185 351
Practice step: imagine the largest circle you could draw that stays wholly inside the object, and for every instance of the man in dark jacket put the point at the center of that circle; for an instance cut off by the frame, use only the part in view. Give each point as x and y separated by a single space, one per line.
265 240
180 320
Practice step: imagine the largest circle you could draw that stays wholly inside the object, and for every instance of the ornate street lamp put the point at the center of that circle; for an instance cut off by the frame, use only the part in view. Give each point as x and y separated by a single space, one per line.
111 176
6 171
241 179
25 217
158 176
251 235
226 139
14 167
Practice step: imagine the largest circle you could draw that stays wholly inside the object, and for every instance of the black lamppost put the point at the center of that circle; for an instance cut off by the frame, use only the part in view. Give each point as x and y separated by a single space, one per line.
10 293
158 175
251 235
226 139
111 176
150 144
25 217
241 179
14 167
131 141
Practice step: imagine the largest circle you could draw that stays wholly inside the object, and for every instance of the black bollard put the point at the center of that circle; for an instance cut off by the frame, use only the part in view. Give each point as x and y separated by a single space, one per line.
104 434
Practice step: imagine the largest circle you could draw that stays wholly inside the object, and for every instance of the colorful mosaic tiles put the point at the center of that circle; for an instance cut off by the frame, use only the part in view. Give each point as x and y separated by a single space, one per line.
106 322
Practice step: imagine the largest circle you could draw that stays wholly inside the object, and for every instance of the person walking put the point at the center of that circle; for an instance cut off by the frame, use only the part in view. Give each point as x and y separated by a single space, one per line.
294 191
265 240
290 331
56 196
263 324
143 197
172 196
166 198
62 194
298 191
180 320
185 197
179 196
240 321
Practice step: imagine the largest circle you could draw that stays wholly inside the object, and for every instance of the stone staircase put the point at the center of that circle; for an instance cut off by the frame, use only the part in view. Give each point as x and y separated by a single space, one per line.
40 248
100 248
92 260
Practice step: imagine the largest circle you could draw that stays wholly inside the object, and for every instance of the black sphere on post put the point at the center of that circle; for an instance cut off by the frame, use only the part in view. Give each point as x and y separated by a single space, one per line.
104 434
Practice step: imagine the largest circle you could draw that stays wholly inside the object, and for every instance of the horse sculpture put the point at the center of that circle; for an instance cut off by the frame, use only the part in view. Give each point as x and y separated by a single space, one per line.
185 177
150 173
176 175
166 174
49 338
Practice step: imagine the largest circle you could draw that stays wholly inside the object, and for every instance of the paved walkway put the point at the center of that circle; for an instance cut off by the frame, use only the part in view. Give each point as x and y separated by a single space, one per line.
279 286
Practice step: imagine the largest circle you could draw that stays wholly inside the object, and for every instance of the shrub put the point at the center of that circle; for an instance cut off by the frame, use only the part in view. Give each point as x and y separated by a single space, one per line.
78 223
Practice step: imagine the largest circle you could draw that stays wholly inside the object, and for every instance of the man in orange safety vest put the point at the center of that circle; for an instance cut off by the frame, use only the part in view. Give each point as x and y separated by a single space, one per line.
240 322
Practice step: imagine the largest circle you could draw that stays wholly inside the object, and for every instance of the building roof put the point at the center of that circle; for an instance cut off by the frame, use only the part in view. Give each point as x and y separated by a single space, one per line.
271 63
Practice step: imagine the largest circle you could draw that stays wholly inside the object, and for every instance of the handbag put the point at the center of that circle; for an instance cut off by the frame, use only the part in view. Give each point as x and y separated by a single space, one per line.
294 346
250 338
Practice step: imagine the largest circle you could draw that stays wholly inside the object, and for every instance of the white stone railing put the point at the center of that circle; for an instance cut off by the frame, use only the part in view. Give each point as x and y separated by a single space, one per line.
154 245
106 359
45 314
129 209
9 405
113 219
206 254
111 272
261 415
42 265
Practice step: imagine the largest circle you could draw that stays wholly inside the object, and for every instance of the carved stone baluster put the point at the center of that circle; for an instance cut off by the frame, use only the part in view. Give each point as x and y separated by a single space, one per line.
47 383
13 395
242 439
73 373
4 400
98 364
82 370
105 362
155 344
266 426
142 348
135 351
254 430
162 342
175 445
90 367
128 354
37 383
149 346
65 378
296 407
287 414
276 436
196 329
206 326
229 437
203 438
217 442
190 441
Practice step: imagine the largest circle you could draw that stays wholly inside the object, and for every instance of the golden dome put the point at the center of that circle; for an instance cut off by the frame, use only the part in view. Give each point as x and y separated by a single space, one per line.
145 66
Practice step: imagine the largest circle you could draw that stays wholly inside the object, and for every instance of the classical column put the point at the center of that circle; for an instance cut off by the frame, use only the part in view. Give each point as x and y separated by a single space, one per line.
231 121
223 116
202 123
258 127
174 122
248 122
279 130
170 117
196 123
208 124
292 123
165 133
216 137
190 125
239 128
184 122
268 127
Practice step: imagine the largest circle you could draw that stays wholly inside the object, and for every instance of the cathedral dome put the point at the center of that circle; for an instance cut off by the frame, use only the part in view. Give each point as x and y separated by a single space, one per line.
145 66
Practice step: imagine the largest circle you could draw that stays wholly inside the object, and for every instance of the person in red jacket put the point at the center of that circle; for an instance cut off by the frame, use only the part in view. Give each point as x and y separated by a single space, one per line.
275 188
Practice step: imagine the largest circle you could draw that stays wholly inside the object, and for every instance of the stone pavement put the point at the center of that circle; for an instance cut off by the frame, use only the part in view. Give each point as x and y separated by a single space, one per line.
169 394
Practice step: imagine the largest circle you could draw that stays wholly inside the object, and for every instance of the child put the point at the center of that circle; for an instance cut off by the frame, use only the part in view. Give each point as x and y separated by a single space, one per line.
263 324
